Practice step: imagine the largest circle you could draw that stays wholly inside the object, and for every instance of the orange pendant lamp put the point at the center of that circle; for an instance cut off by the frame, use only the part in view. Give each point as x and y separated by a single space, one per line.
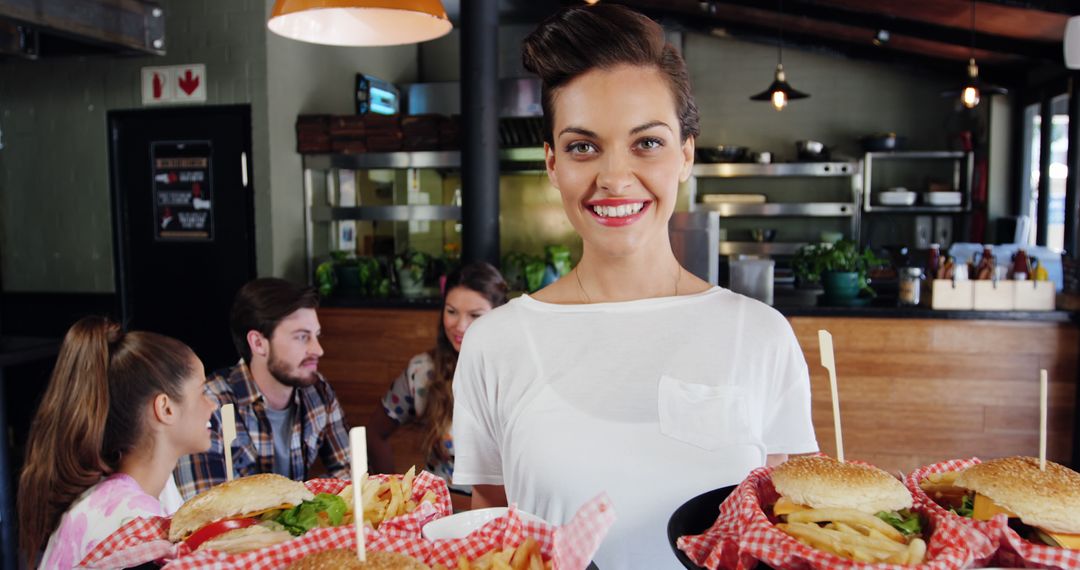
359 22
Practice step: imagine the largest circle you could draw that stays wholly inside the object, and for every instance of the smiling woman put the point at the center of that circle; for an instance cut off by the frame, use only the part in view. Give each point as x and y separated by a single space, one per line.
633 371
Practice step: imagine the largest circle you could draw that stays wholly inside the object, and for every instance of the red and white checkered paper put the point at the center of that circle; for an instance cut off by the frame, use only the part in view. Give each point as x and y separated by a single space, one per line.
145 540
570 547
1011 550
743 535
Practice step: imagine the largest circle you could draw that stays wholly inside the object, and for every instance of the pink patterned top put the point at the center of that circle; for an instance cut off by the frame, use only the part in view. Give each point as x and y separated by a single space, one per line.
96 514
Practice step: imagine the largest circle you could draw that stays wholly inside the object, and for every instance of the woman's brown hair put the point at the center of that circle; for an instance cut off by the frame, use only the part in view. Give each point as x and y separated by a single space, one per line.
579 39
91 416
488 282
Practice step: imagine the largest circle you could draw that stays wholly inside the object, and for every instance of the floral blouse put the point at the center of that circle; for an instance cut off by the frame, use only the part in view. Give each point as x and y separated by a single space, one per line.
96 514
406 402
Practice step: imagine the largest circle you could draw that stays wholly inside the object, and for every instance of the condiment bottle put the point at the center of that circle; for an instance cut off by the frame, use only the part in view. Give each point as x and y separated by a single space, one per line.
985 268
910 283
1040 271
1021 269
934 261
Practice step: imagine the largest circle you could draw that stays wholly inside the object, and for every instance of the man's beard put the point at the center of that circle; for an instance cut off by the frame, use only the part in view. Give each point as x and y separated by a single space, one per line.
279 370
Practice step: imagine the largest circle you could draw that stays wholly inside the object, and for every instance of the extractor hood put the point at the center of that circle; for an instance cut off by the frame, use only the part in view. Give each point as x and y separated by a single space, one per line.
41 28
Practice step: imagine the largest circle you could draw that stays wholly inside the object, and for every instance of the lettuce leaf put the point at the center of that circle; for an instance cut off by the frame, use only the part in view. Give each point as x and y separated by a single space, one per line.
325 510
905 521
967 508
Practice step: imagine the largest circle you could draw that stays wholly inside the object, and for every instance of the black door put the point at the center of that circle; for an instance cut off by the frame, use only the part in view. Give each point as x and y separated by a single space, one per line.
183 219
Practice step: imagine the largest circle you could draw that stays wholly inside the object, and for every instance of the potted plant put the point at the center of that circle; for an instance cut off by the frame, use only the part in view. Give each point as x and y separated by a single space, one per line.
840 268
411 268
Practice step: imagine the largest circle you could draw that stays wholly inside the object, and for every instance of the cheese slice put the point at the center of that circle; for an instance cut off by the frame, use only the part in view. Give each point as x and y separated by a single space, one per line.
984 509
785 506
1070 541
282 507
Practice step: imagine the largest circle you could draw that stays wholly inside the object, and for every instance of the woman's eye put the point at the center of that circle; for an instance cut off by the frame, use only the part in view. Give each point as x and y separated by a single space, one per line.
581 148
650 143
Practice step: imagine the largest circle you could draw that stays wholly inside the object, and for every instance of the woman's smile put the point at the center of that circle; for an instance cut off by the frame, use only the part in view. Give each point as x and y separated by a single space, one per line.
617 212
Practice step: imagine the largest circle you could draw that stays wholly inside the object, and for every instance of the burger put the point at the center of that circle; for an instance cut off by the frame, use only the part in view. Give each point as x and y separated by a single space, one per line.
253 512
342 559
852 510
1043 506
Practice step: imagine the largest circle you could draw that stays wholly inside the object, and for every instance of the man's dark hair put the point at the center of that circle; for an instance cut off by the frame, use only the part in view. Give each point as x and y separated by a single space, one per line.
260 305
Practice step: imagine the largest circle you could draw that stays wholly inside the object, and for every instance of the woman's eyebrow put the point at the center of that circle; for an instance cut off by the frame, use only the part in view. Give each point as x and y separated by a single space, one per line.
579 131
650 125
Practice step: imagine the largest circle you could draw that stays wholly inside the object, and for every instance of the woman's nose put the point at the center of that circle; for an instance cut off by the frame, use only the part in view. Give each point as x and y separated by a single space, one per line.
615 176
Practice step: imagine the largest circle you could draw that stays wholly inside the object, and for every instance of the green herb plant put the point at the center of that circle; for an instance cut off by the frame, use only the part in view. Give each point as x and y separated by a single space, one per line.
811 261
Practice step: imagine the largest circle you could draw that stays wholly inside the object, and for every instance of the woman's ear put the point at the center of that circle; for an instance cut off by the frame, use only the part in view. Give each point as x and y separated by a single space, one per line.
688 159
549 162
164 409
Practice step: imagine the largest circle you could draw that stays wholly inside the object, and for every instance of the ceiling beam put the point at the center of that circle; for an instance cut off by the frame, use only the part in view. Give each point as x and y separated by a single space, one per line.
1048 51
120 25
1069 7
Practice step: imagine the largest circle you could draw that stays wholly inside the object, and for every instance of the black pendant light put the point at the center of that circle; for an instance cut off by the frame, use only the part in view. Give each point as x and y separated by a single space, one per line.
779 92
973 89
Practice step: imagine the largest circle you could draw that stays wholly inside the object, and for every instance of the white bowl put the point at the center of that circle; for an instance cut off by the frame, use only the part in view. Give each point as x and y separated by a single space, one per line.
897 197
943 198
462 524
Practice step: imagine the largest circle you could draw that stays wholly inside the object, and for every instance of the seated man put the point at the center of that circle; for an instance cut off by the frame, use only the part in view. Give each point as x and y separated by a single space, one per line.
286 413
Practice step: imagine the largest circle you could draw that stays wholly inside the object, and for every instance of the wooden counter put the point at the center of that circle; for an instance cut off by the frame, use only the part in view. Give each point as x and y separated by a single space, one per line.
912 390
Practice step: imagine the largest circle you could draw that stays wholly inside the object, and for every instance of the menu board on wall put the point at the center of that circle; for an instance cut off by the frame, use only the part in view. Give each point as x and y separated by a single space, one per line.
183 196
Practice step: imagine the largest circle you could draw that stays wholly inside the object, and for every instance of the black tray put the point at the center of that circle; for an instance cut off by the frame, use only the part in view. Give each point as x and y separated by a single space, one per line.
695 517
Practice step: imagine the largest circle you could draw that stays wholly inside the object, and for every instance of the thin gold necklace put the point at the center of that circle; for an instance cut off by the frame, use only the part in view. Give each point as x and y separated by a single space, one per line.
577 274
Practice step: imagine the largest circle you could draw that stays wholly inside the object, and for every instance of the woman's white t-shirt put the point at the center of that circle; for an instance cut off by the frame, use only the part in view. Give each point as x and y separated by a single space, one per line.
652 401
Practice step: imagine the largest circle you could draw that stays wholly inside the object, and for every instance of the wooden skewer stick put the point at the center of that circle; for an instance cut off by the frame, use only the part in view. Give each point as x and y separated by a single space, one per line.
1042 419
358 449
828 361
228 434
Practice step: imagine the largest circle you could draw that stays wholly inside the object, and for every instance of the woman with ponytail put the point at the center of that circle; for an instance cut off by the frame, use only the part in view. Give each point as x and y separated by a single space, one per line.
423 390
119 411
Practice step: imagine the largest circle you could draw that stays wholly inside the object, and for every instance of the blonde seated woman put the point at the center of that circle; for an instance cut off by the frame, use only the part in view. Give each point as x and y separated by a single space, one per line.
422 393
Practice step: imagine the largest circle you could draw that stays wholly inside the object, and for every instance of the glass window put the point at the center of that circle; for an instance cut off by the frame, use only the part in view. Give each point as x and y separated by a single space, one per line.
1059 171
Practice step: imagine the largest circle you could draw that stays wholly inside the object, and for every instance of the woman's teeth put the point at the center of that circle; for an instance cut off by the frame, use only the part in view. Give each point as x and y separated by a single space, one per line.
618 211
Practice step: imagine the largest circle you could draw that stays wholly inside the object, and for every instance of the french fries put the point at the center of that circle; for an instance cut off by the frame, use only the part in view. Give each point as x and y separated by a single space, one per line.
525 556
853 534
385 499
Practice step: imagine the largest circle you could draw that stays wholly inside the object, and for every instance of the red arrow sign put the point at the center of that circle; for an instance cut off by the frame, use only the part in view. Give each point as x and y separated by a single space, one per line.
189 83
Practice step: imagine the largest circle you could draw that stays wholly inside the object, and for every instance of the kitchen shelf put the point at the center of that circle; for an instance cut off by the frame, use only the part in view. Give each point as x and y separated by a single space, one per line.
916 154
779 169
782 209
963 167
759 248
917 210
516 158
789 172
385 213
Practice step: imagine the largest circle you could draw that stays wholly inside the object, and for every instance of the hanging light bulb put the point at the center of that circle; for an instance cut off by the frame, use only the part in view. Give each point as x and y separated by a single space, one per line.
970 95
779 100
779 92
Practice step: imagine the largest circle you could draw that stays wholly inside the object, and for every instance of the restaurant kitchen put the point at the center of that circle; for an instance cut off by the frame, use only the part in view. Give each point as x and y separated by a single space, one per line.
961 378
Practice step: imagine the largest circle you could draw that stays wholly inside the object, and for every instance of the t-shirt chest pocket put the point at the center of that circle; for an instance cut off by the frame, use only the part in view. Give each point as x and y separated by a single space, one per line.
709 417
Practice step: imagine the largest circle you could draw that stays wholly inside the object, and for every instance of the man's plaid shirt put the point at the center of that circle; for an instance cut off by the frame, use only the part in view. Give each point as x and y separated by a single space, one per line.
319 431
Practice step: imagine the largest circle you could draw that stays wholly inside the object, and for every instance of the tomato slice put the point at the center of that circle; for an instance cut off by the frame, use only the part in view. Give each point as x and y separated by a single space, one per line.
217 528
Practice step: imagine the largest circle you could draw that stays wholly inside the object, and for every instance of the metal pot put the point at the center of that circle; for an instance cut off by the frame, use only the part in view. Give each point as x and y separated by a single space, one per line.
811 150
881 142
722 153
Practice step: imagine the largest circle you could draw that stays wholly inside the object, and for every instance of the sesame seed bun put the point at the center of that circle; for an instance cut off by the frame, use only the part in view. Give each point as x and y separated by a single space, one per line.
343 559
1049 499
236 498
823 482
